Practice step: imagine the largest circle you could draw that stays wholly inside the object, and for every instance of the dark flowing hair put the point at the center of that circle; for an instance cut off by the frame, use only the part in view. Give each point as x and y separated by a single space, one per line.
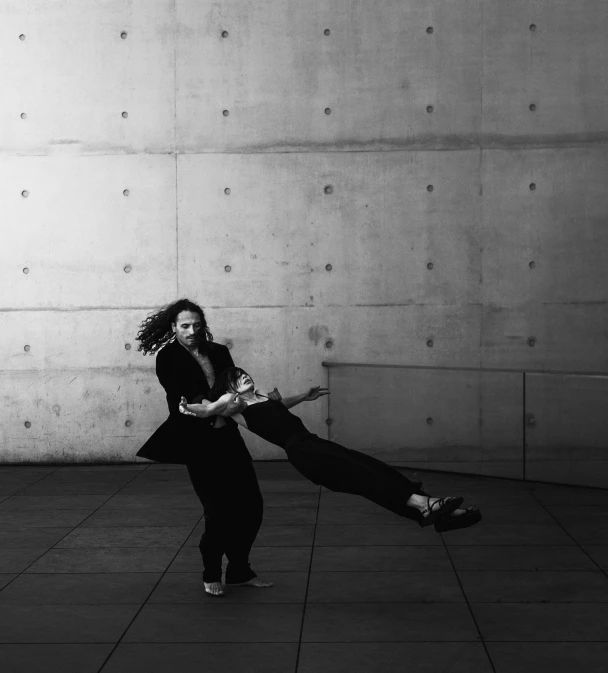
226 382
157 329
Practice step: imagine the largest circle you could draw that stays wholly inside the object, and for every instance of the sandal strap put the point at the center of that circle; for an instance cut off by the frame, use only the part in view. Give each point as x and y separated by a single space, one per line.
429 508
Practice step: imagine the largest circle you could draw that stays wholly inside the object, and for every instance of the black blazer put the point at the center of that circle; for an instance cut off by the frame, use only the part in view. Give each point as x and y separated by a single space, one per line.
181 437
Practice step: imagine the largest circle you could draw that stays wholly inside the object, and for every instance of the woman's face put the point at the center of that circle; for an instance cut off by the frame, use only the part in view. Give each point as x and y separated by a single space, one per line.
244 384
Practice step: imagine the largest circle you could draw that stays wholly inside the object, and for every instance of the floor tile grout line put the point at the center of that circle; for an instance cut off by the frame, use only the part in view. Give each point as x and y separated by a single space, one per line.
145 602
599 567
226 604
332 546
138 472
312 551
399 571
307 642
35 482
466 598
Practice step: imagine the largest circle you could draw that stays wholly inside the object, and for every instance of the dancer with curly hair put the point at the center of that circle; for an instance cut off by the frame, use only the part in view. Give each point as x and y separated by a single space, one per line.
326 463
219 465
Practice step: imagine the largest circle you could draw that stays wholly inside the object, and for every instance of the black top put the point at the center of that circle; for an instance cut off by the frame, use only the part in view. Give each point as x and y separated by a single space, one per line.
272 421
181 436
180 374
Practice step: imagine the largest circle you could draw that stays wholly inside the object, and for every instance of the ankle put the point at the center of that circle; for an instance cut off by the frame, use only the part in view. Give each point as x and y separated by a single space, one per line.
416 501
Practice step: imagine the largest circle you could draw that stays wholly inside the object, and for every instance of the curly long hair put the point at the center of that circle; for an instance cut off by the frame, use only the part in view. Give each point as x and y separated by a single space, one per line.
157 329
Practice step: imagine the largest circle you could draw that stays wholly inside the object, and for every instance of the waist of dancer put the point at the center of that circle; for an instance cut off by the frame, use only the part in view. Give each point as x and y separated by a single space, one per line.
299 439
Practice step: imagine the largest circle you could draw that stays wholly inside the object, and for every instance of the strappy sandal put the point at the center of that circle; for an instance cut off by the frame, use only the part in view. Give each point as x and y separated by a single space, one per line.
471 516
439 508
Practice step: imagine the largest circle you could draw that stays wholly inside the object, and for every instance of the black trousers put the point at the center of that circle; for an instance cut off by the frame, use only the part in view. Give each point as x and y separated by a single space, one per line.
227 486
347 471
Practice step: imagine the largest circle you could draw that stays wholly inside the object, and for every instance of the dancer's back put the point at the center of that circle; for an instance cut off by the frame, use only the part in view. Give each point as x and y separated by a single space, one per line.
272 421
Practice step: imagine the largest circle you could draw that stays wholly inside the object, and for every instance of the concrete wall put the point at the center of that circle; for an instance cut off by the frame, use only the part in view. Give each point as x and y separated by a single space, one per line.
377 138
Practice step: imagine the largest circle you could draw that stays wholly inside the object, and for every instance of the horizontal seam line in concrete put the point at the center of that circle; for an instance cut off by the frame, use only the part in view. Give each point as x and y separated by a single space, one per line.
378 149
80 309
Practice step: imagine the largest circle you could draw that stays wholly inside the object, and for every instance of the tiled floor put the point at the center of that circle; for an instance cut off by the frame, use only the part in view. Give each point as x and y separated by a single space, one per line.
100 571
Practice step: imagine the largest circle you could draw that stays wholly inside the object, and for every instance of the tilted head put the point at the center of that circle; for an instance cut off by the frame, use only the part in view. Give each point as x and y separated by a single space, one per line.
232 380
182 320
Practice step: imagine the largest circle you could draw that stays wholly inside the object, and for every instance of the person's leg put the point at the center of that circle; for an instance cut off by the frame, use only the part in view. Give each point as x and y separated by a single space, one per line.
243 507
459 518
211 545
347 471
245 518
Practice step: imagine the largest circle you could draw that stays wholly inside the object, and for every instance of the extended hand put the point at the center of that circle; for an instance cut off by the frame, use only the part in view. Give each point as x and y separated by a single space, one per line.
314 393
190 409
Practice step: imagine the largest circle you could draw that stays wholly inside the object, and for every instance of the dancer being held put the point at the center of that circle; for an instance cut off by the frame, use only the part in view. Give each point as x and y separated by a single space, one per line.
326 463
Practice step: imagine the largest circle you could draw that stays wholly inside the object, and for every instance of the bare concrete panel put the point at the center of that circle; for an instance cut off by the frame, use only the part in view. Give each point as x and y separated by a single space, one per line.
60 340
395 228
567 436
558 66
73 76
77 416
406 335
454 420
378 268
547 208
562 337
276 71
83 241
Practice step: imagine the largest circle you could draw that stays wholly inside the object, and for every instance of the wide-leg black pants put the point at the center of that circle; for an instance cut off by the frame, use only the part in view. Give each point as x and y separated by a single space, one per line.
347 471
227 486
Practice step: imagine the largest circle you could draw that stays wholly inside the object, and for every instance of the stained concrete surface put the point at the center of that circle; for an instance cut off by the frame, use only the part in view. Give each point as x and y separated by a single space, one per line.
380 101
357 588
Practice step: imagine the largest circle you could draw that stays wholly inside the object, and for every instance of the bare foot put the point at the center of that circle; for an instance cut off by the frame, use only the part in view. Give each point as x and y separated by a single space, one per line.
214 588
255 582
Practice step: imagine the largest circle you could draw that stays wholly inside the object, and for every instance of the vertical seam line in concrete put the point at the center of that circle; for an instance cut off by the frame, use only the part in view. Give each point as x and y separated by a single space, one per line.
523 439
176 232
480 188
175 38
327 425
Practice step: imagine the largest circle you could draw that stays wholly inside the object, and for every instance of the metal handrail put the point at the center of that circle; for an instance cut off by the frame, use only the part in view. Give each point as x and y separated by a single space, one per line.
553 372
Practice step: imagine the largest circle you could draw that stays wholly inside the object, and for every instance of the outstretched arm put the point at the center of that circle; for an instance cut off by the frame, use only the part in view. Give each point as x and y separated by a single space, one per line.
310 396
227 405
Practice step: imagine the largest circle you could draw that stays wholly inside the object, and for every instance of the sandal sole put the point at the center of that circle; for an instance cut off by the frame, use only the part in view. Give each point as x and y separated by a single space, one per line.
441 512
467 521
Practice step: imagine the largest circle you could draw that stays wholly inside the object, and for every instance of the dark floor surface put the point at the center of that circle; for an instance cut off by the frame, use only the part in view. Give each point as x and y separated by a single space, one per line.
99 571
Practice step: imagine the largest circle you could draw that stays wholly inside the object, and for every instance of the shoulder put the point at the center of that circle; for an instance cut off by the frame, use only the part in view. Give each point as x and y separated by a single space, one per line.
170 354
166 352
218 349
220 355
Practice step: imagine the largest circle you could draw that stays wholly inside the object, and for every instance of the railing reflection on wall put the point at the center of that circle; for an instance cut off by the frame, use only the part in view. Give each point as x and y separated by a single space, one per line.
528 420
